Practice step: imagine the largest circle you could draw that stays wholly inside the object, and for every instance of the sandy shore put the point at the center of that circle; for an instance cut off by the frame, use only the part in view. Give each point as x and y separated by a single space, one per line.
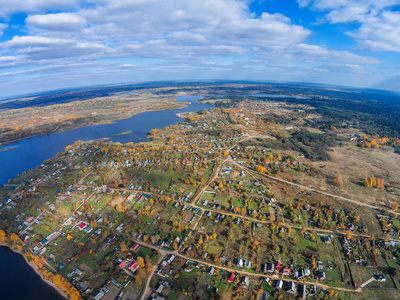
37 270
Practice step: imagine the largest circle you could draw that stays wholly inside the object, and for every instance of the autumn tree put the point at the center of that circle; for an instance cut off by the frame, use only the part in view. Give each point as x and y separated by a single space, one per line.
140 261
338 180
2 236
395 208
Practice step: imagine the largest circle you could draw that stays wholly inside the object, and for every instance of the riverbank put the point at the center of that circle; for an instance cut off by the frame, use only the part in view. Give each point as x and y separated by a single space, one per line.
85 119
7 148
35 269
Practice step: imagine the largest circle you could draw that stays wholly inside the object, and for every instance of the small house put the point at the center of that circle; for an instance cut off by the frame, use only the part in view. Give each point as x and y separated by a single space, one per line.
232 277
270 268
245 282
135 247
291 288
277 266
279 285
286 271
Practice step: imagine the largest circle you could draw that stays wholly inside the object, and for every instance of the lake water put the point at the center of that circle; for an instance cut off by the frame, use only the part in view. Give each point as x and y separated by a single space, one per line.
30 153
17 279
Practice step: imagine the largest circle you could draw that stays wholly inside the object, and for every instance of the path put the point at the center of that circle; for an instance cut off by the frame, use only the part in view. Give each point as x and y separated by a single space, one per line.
147 290
367 282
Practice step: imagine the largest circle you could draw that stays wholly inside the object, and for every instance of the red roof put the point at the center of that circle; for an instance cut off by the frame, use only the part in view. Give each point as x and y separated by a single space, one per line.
277 265
286 271
134 267
135 247
230 279
82 225
121 265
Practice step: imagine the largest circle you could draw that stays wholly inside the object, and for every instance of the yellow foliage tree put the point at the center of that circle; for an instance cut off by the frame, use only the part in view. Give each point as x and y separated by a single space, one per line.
140 261
2 236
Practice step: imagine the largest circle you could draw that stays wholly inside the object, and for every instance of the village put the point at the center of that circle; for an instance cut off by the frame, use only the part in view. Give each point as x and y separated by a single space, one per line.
205 210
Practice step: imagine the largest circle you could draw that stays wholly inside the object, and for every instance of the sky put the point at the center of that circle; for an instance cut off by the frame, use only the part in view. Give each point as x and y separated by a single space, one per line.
56 44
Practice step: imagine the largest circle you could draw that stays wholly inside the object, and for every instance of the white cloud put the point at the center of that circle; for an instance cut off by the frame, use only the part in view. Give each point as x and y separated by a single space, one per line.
33 41
8 7
381 33
36 48
379 25
172 39
60 21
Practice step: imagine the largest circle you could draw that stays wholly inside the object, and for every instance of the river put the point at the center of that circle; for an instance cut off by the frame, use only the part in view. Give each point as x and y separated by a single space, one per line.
17 279
31 152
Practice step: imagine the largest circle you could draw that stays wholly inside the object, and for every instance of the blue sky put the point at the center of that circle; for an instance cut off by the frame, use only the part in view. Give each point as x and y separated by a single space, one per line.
54 44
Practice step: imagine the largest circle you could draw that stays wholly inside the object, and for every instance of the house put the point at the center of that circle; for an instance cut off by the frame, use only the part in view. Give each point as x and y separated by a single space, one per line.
188 269
279 285
245 282
247 264
135 247
82 226
133 267
277 266
328 239
170 258
210 271
321 275
99 295
286 271
240 263
232 277
264 268
160 288
303 291
270 268
291 288
299 273
307 272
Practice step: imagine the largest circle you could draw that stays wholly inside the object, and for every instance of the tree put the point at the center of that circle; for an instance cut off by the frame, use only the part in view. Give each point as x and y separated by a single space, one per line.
122 246
138 280
2 236
395 208
349 234
140 261
174 246
338 180
93 223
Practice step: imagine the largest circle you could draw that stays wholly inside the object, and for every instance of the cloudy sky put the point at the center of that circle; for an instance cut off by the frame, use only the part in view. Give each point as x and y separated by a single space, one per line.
55 44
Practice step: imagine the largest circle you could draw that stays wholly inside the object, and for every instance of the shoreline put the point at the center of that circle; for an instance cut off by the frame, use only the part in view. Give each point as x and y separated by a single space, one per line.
181 104
36 270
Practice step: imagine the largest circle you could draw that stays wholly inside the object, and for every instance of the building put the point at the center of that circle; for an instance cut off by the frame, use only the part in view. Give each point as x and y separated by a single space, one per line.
291 288
277 266
270 268
82 226
279 285
135 247
286 271
232 277
245 282
133 267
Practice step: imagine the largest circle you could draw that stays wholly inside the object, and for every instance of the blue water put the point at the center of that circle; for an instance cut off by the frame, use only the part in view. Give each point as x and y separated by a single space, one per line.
32 152
18 281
